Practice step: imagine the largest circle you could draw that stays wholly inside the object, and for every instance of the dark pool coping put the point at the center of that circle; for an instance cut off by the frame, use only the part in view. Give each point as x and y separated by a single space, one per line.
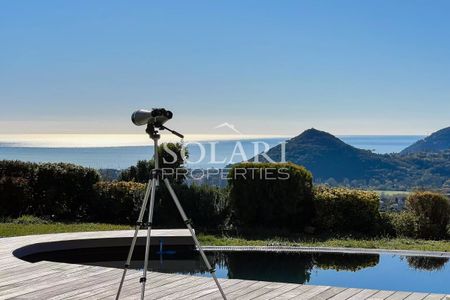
329 250
33 244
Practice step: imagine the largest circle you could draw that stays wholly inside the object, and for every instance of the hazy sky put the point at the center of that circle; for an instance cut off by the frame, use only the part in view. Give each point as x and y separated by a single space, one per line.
268 67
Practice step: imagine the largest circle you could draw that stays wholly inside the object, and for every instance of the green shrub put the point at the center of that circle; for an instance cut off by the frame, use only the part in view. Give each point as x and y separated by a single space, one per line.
141 172
344 210
385 227
403 223
15 196
284 201
17 168
116 202
207 207
28 219
432 211
63 190
59 190
120 202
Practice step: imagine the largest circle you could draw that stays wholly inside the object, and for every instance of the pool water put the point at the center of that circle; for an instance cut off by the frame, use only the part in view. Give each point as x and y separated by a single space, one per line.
370 271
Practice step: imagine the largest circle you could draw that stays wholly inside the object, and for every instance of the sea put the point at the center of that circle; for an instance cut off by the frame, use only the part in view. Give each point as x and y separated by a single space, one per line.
207 153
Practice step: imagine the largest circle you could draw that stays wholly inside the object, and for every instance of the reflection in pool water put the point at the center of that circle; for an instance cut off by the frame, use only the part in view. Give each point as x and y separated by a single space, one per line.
384 271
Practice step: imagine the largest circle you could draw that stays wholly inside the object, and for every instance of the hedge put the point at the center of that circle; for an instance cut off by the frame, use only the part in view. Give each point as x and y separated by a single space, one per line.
432 212
120 202
73 193
116 202
17 168
284 201
345 211
207 207
56 190
15 196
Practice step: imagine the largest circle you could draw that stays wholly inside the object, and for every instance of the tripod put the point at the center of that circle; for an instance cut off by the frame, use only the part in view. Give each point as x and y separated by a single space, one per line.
150 192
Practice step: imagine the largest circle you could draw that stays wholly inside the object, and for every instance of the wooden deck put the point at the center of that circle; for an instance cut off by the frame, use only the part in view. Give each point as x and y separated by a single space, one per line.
50 280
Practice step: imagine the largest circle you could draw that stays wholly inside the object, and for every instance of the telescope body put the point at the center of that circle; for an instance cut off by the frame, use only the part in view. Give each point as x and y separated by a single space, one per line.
156 117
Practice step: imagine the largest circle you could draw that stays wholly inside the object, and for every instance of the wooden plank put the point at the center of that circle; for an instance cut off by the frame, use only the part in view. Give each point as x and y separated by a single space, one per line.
133 290
417 296
107 289
238 284
248 289
346 294
164 290
62 287
209 288
364 294
295 293
314 291
328 293
273 286
45 284
213 293
380 295
276 292
190 288
398 296
132 285
437 297
107 280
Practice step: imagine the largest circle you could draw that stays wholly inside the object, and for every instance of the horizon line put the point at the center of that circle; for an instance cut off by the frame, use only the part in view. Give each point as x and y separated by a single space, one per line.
92 140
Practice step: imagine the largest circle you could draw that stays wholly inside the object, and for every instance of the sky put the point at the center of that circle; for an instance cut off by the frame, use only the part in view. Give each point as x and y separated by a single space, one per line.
266 67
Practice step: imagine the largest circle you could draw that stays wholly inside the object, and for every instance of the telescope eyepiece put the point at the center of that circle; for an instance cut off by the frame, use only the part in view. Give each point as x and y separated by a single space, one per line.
157 112
169 114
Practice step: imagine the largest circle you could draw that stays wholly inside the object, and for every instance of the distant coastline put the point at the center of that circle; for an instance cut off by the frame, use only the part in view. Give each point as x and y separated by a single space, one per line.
130 140
122 155
114 140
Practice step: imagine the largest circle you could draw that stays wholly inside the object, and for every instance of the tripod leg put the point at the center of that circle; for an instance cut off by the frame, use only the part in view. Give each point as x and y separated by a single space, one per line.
194 237
136 230
149 229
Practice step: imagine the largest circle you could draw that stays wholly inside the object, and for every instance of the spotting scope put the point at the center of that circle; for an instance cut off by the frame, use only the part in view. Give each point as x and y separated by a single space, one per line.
156 117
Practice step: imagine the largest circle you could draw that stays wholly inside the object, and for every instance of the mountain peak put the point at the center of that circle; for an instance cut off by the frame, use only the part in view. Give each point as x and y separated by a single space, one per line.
327 156
437 141
319 138
314 131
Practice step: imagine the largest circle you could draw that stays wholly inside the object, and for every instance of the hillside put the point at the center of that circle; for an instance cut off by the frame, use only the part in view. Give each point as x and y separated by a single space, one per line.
437 141
326 157
335 162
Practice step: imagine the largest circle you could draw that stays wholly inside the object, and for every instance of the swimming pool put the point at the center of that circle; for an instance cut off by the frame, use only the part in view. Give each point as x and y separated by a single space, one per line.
371 271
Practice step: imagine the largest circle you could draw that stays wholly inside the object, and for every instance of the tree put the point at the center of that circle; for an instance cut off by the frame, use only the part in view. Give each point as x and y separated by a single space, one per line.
171 158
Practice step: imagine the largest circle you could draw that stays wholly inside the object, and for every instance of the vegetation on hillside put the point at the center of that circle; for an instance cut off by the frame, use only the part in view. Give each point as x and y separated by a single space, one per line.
437 141
336 163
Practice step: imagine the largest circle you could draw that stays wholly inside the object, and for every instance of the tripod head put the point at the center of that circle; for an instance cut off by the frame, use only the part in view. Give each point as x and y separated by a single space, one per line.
154 120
